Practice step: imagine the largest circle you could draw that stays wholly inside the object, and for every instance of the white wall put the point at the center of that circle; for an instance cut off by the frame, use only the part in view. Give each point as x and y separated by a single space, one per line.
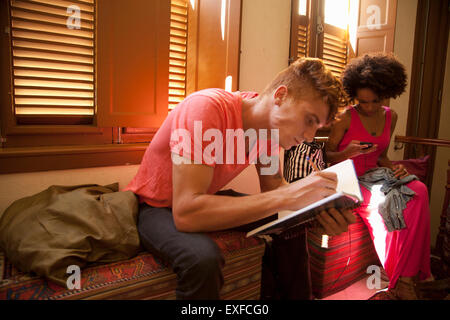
19 185
264 52
264 42
403 45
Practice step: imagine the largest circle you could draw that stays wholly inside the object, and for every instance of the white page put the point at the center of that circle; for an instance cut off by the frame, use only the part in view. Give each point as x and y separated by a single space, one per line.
347 184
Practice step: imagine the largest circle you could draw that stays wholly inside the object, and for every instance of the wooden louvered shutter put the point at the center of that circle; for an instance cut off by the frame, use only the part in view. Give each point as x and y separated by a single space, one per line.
52 64
376 26
333 40
133 62
333 49
300 30
214 31
178 51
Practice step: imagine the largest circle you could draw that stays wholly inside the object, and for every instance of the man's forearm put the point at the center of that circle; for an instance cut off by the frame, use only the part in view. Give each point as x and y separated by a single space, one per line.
213 212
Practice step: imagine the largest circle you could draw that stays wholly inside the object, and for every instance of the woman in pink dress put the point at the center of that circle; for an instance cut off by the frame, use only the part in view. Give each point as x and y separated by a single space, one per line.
405 252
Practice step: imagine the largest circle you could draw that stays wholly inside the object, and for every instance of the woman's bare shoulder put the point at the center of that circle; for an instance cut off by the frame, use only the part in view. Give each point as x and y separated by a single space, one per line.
343 119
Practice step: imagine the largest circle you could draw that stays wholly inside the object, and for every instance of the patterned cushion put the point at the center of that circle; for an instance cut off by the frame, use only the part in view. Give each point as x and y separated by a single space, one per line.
329 273
143 276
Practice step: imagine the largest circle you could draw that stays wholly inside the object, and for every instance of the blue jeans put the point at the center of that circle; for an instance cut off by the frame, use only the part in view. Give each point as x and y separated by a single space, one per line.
194 257
197 260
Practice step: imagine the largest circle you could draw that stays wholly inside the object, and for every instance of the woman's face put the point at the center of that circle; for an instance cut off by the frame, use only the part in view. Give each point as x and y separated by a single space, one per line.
369 102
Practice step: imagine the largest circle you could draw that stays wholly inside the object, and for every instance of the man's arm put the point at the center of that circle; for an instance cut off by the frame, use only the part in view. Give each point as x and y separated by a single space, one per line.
332 221
196 211
270 182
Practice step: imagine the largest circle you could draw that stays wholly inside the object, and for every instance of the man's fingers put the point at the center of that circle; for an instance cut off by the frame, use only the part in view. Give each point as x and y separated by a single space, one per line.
342 223
326 179
325 225
348 215
331 226
335 222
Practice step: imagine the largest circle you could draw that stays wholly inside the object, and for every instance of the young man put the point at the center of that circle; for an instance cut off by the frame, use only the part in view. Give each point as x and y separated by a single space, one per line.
195 154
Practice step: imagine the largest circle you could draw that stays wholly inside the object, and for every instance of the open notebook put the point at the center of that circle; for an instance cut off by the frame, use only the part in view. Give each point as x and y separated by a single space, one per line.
348 195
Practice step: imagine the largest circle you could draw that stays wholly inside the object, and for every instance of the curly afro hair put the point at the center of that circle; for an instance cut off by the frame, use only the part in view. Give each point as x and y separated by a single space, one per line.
380 72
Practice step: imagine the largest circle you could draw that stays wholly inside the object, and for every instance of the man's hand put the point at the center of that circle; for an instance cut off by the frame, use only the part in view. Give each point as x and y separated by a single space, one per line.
303 192
315 187
333 222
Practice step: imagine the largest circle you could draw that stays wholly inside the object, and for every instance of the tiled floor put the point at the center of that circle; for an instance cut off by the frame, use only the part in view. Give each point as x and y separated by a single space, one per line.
357 291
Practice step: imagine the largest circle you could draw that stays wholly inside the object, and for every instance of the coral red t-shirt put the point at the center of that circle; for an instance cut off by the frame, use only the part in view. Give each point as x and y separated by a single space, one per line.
192 130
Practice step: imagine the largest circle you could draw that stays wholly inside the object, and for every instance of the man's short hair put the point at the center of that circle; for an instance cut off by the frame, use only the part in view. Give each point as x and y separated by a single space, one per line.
311 73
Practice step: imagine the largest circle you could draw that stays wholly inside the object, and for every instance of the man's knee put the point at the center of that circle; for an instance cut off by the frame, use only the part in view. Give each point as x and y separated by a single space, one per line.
204 258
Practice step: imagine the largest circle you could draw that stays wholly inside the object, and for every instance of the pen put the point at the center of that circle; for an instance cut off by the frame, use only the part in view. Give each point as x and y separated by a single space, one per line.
313 165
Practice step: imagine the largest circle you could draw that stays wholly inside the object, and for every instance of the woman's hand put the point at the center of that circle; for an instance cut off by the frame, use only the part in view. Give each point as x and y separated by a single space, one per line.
355 148
400 171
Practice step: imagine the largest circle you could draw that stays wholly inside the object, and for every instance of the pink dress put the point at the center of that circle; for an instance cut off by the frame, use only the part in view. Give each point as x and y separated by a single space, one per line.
406 252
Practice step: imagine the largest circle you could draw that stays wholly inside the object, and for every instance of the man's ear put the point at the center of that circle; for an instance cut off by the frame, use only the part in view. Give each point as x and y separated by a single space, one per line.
280 94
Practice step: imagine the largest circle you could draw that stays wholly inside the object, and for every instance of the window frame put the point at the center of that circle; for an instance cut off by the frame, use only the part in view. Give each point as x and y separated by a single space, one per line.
14 134
28 148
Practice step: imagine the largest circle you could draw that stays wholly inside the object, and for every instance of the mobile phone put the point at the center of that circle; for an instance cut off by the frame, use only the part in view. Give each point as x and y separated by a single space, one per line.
367 144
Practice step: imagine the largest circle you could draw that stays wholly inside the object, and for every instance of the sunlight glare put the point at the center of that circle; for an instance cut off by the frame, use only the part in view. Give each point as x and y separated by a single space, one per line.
336 13
376 222
302 7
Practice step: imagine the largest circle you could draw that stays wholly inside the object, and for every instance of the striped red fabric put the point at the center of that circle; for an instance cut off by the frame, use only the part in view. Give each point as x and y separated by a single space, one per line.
329 270
143 276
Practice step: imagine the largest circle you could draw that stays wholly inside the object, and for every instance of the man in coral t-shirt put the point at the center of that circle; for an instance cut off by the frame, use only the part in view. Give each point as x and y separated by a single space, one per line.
205 142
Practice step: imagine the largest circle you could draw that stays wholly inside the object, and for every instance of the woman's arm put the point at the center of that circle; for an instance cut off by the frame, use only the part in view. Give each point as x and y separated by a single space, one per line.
384 161
338 130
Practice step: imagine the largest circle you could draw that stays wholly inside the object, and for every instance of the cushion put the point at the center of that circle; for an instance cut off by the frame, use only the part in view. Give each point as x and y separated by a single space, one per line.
142 276
329 270
418 167
70 225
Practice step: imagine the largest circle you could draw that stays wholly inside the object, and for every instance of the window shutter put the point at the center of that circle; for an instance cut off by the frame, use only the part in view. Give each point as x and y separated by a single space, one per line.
132 63
376 27
333 38
333 48
53 61
214 29
300 30
178 51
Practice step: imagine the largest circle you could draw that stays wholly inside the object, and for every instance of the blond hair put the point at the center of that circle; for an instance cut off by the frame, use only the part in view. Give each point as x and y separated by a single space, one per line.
311 73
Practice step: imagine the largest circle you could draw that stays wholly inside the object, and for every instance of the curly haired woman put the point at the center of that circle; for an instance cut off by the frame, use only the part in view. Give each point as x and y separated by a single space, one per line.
403 246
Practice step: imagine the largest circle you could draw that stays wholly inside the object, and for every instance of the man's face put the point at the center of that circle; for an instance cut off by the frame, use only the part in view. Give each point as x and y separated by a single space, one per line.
298 120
